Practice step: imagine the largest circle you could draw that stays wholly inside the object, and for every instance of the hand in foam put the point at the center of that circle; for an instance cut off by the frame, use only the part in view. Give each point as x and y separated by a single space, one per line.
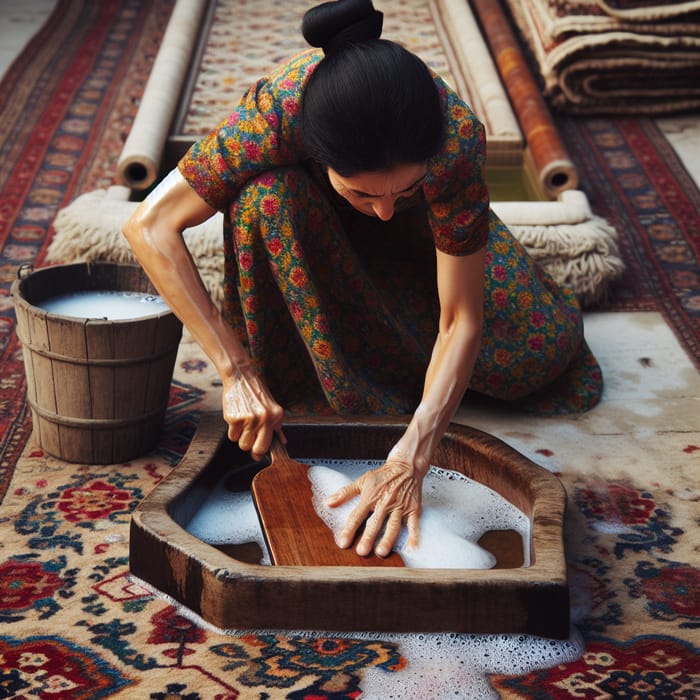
389 496
448 540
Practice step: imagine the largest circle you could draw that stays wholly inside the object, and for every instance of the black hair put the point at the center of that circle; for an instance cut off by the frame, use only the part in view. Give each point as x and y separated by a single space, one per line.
370 104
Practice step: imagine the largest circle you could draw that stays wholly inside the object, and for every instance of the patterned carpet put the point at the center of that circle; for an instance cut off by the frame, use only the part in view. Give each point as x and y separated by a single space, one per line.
634 178
272 35
75 626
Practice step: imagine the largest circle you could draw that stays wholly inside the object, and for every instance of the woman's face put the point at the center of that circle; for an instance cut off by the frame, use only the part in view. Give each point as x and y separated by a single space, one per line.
375 193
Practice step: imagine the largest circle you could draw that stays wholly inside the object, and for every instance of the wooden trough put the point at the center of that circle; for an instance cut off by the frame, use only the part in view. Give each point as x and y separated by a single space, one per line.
230 593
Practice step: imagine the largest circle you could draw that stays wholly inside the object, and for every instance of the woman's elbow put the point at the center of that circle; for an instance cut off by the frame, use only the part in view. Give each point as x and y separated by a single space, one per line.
147 234
134 227
466 323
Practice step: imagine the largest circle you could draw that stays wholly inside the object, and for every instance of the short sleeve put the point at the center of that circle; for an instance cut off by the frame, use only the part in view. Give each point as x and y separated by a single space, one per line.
262 133
455 188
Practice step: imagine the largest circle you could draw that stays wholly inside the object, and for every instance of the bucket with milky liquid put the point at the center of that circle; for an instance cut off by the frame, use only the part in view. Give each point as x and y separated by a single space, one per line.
98 389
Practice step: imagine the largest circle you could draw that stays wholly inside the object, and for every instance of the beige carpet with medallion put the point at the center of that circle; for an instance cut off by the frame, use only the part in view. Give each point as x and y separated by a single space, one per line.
75 625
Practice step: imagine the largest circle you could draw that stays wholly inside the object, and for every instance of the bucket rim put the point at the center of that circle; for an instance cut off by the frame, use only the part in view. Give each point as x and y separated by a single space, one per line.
25 272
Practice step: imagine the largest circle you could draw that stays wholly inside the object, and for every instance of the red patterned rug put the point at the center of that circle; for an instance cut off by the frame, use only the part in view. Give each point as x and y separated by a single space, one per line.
635 179
66 105
75 626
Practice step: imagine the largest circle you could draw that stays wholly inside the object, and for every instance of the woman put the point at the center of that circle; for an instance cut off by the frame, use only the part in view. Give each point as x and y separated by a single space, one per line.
363 266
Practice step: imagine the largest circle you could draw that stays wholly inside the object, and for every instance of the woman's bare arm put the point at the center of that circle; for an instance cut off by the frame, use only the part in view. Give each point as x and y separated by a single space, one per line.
391 495
154 232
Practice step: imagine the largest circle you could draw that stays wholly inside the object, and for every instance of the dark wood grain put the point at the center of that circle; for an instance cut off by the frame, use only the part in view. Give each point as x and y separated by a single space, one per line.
295 534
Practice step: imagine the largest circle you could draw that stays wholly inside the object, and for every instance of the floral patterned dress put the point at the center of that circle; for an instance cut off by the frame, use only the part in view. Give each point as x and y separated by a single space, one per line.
339 310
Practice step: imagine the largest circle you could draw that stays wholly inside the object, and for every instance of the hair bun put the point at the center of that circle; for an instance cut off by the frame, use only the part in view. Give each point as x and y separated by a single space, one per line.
332 25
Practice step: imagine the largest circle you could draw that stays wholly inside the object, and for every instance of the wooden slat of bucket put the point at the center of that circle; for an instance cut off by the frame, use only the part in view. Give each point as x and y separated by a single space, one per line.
70 379
129 366
131 382
554 167
160 371
131 387
37 336
66 343
104 384
40 383
99 345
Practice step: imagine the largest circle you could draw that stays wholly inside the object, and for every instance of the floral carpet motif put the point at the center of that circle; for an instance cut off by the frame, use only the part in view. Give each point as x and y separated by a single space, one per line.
74 625
647 667
65 534
639 610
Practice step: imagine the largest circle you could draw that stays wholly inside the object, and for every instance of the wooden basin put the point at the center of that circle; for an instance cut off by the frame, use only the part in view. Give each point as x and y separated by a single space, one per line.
230 593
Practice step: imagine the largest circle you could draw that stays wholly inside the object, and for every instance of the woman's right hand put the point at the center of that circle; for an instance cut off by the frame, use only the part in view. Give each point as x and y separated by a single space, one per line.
155 233
252 414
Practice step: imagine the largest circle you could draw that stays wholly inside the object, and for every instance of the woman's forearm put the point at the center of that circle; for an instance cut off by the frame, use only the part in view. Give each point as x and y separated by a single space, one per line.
155 234
391 495
460 285
447 379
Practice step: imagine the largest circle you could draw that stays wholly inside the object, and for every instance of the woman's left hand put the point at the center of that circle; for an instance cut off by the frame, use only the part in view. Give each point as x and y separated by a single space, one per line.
389 496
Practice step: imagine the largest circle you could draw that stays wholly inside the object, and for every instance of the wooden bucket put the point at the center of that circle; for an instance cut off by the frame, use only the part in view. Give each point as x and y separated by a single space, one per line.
98 389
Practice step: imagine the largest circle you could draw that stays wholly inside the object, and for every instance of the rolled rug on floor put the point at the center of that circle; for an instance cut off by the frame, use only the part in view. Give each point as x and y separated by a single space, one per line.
552 163
140 159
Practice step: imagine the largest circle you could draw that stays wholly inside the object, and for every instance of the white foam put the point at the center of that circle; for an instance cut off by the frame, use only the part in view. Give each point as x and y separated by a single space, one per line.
228 517
455 666
107 304
457 511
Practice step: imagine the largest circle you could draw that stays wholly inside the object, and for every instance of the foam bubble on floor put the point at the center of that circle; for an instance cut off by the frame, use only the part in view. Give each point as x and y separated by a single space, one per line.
456 666
443 665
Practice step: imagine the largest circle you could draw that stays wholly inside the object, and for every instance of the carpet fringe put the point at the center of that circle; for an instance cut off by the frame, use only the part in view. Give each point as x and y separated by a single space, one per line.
578 249
584 256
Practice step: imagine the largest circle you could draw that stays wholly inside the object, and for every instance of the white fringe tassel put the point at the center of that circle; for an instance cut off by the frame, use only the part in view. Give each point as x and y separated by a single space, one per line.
579 250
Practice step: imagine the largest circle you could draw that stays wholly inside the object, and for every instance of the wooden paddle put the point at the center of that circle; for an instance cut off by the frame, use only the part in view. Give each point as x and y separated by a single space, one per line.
295 534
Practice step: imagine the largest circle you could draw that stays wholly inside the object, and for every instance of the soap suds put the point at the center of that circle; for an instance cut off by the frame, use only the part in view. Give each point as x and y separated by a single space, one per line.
457 511
228 517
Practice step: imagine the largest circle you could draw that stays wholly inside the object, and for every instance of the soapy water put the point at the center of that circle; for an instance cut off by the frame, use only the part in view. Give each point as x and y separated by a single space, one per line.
228 518
457 511
111 305
454 666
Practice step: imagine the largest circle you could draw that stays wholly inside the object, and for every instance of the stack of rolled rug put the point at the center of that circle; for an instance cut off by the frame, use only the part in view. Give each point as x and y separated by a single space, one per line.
614 56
